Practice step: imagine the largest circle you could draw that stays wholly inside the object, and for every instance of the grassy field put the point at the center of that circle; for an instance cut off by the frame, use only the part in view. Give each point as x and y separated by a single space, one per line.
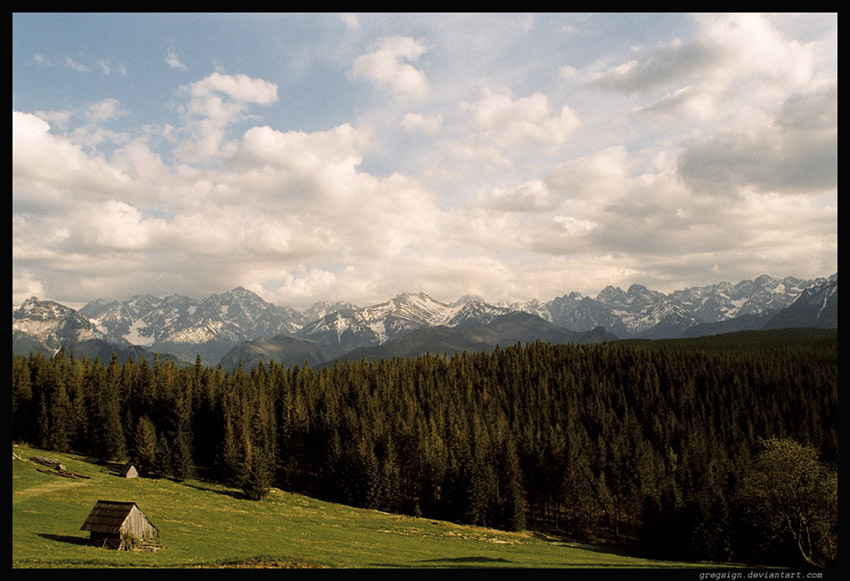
205 525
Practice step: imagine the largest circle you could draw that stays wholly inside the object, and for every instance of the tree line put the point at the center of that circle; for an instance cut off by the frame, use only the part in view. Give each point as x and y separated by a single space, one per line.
659 447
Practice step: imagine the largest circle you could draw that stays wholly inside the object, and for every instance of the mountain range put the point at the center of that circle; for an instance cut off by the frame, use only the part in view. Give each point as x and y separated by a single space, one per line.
239 326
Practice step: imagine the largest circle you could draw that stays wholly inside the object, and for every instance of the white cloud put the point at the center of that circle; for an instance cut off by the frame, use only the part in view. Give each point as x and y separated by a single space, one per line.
50 171
301 152
568 72
216 102
796 152
77 66
702 76
174 61
533 196
712 155
240 88
119 226
389 65
351 21
504 121
416 123
106 110
601 177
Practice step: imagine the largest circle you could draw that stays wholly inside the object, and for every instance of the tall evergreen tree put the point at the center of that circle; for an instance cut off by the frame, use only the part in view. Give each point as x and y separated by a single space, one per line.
257 475
181 448
144 445
113 445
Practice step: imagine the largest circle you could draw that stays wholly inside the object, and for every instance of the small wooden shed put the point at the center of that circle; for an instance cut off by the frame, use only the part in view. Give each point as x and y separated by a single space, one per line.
120 525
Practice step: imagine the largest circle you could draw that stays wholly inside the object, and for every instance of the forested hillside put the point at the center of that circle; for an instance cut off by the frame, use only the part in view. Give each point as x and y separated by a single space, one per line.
659 446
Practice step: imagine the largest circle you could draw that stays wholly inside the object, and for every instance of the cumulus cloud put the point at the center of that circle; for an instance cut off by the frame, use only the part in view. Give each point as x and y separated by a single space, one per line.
705 158
301 152
49 170
653 226
695 78
388 64
798 152
240 88
533 196
504 121
602 177
277 201
416 123
216 102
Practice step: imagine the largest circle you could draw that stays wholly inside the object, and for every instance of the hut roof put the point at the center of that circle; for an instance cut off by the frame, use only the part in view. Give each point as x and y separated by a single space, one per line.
108 516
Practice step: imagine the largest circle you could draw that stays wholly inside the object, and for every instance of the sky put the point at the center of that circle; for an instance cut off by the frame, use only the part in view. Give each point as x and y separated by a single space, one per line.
353 157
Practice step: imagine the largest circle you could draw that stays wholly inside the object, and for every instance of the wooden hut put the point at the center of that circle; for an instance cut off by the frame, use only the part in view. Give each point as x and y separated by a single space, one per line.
121 525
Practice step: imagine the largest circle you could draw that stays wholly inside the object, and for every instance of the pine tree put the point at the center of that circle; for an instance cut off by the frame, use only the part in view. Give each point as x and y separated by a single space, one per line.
162 460
512 504
257 475
181 449
229 464
112 442
390 493
144 445
60 412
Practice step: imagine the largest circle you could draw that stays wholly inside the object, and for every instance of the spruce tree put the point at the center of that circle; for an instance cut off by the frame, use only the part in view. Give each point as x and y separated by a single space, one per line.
257 476
144 445
112 442
60 413
181 449
512 504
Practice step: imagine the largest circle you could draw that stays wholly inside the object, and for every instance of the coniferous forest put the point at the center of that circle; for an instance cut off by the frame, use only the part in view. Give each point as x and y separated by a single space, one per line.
679 450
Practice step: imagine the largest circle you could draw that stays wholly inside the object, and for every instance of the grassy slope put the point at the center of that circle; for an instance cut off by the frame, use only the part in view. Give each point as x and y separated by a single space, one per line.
207 525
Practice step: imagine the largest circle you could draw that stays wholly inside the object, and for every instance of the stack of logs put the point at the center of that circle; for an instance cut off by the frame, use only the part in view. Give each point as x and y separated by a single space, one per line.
57 469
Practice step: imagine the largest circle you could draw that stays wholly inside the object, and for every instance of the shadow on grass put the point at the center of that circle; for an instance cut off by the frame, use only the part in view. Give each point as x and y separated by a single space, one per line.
460 560
231 493
448 563
598 546
65 539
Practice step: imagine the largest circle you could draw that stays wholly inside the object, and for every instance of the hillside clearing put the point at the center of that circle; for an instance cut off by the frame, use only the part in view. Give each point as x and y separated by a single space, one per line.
206 525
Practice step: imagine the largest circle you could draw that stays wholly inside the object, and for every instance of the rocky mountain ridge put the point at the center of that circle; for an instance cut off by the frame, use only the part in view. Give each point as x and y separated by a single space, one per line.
214 326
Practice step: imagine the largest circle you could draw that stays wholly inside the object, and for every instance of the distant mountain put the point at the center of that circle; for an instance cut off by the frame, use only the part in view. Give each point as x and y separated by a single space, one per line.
46 326
188 327
743 323
290 351
356 328
501 330
817 306
642 313
725 301
98 348
218 326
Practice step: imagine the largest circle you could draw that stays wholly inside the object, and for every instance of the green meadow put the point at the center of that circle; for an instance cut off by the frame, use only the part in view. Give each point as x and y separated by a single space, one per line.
206 525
